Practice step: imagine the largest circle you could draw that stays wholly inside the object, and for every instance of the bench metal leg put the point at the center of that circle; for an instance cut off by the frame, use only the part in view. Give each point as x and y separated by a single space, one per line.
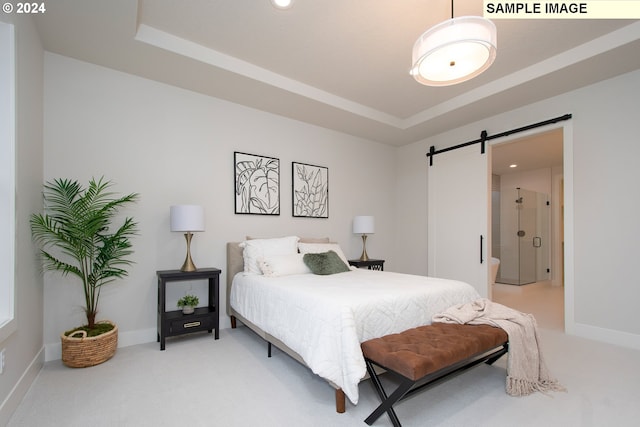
387 401
498 355
408 386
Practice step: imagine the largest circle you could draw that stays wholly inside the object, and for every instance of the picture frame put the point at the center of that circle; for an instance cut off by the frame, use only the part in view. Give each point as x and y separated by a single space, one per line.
257 184
310 190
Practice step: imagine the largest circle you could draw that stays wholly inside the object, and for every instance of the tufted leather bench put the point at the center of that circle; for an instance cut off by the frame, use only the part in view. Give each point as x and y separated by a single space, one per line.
427 354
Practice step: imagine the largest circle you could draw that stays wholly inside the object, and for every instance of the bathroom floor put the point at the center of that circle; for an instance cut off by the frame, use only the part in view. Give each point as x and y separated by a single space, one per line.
544 301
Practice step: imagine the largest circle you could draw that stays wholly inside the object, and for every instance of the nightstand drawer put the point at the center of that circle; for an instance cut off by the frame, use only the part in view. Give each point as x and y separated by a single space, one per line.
191 323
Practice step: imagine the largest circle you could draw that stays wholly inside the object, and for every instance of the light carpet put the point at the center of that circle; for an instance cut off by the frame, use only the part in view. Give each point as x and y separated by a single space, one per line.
199 381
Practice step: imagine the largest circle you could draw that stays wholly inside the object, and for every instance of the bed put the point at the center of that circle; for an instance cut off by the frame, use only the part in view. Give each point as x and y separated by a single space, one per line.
321 319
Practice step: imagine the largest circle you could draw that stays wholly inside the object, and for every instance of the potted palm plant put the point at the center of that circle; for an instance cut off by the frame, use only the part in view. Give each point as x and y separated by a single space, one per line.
77 237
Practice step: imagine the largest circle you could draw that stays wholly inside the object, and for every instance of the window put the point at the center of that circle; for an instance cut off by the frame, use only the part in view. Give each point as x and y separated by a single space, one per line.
7 181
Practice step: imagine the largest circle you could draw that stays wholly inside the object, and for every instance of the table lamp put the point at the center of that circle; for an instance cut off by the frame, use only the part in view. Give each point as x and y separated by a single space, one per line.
187 218
364 225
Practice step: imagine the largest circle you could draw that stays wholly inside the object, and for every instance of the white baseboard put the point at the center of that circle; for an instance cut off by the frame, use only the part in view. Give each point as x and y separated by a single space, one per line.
141 336
18 392
53 351
610 336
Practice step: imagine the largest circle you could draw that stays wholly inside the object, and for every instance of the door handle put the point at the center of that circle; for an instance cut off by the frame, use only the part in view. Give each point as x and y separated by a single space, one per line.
481 250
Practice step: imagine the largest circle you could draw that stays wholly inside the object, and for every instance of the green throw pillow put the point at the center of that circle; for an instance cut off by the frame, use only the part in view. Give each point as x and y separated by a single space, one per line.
325 263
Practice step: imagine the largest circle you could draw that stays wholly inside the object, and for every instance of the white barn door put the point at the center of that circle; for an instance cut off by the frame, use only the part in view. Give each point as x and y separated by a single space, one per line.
459 186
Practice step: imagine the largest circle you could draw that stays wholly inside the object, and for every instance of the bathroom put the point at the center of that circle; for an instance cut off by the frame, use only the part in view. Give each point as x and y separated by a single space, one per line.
526 206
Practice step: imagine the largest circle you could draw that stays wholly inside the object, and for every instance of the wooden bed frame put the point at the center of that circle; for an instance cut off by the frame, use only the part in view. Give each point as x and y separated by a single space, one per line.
235 264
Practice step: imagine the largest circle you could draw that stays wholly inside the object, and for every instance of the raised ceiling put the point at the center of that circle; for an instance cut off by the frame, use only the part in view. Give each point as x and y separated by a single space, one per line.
340 64
537 151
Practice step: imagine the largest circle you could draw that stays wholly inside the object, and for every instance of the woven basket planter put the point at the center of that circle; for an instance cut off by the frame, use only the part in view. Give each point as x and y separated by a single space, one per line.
78 351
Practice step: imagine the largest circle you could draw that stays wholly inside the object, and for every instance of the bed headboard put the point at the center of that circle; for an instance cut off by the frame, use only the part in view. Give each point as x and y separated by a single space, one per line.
235 264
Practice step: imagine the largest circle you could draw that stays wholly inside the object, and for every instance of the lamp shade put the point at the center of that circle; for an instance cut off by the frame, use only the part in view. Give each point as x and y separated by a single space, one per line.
454 51
364 225
187 218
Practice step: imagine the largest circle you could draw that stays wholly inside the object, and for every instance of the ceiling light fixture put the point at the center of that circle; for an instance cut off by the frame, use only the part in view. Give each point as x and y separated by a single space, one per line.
282 4
454 51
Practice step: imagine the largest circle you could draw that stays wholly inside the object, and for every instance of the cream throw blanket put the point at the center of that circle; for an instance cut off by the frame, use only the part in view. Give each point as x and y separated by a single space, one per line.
526 370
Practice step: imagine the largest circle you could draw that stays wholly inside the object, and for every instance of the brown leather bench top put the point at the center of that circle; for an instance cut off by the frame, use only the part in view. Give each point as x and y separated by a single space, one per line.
420 351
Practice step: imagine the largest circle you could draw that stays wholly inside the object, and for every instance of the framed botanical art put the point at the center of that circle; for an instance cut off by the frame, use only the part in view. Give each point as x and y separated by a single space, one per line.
257 184
310 190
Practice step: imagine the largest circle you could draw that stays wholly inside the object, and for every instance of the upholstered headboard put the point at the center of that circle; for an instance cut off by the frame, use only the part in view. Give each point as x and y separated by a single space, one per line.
235 264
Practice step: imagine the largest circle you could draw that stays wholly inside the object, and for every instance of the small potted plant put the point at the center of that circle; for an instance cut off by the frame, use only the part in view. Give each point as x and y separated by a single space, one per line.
188 303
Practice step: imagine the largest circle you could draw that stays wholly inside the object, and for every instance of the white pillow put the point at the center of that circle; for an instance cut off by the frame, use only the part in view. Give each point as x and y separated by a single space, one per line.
282 265
257 249
318 248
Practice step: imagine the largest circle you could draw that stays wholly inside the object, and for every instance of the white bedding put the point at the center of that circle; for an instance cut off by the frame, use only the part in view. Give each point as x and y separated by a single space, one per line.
325 318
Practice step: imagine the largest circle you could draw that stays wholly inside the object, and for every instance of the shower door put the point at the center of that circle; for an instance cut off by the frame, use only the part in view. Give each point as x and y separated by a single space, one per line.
525 237
526 209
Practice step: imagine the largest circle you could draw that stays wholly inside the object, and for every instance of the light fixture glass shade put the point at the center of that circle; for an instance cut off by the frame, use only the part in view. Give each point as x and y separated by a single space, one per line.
364 225
282 4
187 218
454 51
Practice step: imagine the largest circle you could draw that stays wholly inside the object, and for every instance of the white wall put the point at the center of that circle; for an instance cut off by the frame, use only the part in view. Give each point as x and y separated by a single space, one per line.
601 299
24 353
174 146
538 180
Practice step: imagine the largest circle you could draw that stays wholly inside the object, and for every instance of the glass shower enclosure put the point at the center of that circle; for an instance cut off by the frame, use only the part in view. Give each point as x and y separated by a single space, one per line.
525 225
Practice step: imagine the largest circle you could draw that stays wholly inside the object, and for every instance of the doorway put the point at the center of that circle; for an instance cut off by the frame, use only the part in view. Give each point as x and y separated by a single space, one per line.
527 179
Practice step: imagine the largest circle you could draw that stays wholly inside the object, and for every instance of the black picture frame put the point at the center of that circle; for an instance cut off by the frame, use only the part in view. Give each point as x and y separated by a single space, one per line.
309 190
257 184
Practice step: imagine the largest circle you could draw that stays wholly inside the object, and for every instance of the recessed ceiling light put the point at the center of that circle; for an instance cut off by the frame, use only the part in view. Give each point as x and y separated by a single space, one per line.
282 4
513 166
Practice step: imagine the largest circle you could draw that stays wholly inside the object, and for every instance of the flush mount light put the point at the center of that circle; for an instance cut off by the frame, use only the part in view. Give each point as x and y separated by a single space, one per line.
282 4
513 166
454 51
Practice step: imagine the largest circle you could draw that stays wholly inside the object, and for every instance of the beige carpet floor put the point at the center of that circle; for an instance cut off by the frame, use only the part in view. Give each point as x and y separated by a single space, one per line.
198 381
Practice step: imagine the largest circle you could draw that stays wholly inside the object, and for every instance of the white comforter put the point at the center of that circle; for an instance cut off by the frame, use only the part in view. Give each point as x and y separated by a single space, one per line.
325 318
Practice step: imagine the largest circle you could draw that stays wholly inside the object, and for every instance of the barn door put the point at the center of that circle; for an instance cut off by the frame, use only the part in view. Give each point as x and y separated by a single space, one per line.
459 186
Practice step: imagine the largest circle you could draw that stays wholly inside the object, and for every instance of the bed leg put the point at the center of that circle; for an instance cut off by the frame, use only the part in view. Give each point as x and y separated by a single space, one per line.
233 322
340 401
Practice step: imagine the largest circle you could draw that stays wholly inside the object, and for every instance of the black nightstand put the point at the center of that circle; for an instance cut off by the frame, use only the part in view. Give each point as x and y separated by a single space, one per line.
172 323
371 264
